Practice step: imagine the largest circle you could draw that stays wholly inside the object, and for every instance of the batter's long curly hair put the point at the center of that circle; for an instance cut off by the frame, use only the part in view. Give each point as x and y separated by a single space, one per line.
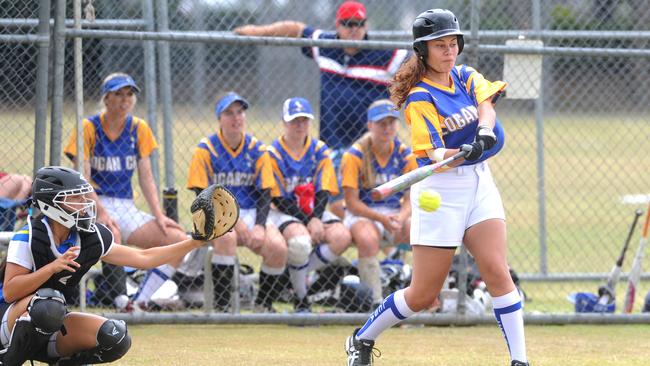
409 74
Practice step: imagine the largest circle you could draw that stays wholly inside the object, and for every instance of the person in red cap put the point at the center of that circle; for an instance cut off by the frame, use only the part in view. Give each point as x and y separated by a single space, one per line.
351 78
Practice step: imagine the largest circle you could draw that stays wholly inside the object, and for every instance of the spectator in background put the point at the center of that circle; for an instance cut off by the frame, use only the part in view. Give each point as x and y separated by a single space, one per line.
376 158
116 143
238 161
305 179
351 78
14 190
15 187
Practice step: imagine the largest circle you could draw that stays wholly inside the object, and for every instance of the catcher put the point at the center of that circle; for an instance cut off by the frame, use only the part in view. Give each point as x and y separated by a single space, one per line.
47 258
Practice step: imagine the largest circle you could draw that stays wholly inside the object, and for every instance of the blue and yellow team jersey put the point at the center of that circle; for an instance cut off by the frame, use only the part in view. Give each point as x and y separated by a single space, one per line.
399 161
244 171
349 84
442 116
112 162
312 165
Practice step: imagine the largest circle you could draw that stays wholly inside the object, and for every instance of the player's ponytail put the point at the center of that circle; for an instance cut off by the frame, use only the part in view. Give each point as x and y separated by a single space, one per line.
410 73
367 170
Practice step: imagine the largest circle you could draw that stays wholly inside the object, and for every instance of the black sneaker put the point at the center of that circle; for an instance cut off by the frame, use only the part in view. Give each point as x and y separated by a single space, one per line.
360 351
518 363
302 306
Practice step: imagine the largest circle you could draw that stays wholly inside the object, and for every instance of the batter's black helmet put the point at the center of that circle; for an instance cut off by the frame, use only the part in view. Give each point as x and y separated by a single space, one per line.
434 24
52 184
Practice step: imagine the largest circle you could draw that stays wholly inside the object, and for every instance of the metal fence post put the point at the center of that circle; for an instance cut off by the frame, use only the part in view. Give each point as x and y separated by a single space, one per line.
150 84
40 127
57 83
166 92
78 88
539 134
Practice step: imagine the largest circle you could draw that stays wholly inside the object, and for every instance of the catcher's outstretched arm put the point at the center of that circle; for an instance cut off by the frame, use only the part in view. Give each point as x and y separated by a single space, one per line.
214 212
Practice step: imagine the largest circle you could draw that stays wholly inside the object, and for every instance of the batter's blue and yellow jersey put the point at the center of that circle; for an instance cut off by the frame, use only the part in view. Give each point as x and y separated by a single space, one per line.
244 171
399 161
442 116
112 162
313 164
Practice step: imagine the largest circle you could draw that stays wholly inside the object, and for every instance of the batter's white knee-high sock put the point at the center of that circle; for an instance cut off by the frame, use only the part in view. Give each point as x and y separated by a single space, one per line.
510 316
321 256
393 310
152 281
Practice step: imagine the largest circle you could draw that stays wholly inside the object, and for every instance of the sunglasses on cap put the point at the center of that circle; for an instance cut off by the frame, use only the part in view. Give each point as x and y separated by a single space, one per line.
352 23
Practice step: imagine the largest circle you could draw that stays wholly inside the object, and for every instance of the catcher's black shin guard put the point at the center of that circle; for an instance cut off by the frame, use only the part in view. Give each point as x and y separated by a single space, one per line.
222 278
113 342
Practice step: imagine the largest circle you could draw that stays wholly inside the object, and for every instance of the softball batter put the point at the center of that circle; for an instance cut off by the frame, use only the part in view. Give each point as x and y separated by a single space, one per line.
449 108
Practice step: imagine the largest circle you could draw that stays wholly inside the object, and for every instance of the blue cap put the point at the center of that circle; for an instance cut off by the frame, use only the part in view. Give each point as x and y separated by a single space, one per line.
296 107
227 100
118 82
381 109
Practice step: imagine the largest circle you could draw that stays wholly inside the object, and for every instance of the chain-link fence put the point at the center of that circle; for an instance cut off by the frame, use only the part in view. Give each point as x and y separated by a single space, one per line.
573 170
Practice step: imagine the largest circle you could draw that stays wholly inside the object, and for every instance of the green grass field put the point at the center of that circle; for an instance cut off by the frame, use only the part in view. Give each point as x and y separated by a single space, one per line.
591 345
591 162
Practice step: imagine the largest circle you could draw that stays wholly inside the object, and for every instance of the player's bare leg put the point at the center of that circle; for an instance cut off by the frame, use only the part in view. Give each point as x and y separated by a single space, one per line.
430 268
486 241
337 240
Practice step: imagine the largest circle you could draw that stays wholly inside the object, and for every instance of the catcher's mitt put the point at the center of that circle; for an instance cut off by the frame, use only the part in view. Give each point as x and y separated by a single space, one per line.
214 212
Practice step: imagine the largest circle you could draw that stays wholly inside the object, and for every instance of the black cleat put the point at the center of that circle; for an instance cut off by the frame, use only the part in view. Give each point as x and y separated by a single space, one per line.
360 351
518 363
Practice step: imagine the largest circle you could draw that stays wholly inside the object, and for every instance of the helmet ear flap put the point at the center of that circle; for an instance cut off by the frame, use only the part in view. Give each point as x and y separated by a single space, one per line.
420 48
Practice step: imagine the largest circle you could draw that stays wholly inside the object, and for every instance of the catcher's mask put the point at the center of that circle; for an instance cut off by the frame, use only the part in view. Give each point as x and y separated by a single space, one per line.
52 190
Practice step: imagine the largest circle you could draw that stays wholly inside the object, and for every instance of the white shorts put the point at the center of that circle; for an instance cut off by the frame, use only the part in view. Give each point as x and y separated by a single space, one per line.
469 196
278 218
387 238
5 335
127 216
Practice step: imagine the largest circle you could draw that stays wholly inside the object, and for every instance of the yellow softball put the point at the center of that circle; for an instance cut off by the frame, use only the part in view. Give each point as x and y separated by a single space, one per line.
429 200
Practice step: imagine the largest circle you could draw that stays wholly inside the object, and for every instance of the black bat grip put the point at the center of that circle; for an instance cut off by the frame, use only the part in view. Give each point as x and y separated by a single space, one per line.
637 214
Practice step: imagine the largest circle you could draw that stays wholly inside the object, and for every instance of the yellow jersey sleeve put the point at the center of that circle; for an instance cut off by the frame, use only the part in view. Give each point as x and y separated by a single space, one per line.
421 114
411 163
278 177
89 141
327 175
200 169
350 170
264 170
483 89
146 141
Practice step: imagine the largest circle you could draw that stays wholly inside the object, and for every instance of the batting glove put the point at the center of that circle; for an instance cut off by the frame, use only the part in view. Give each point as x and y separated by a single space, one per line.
473 150
485 134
